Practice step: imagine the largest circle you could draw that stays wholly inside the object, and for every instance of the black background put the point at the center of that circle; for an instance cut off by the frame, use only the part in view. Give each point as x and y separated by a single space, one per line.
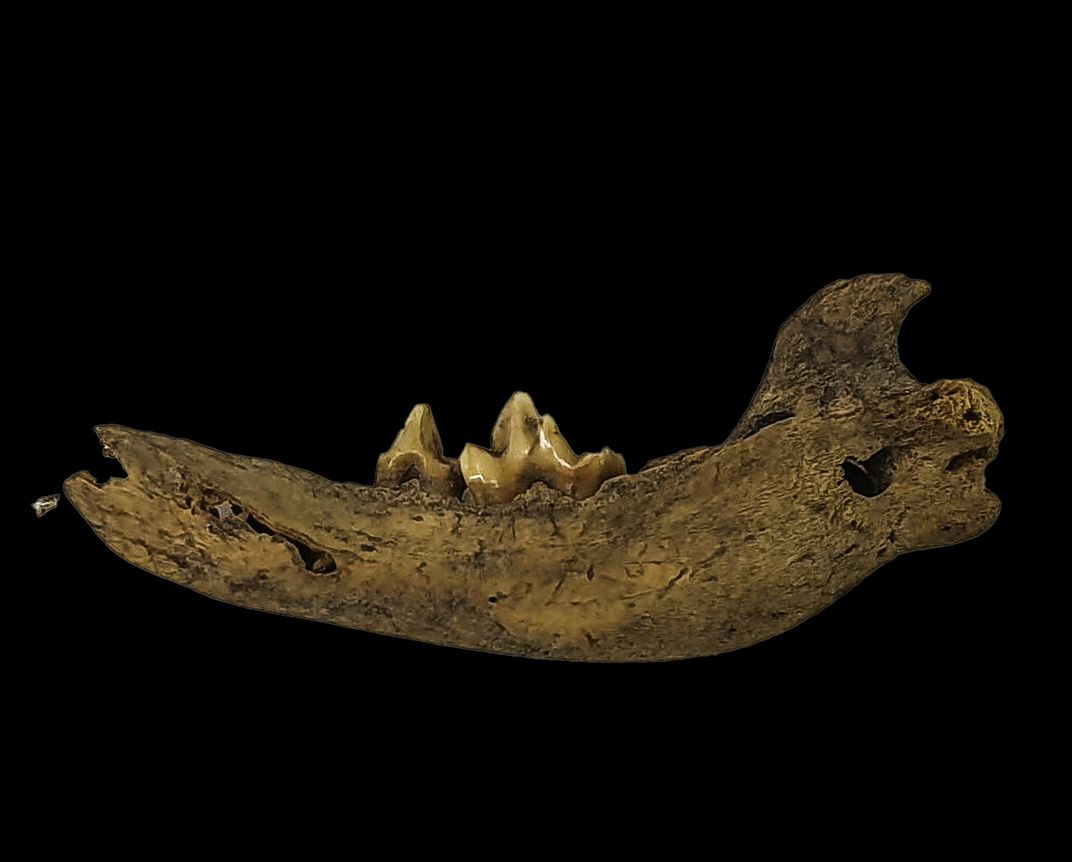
275 234
295 305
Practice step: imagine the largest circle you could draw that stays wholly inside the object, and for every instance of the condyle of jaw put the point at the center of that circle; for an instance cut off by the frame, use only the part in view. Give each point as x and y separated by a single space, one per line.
842 462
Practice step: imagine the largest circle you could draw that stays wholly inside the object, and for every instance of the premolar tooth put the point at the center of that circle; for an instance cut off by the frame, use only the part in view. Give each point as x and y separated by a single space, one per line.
528 448
417 453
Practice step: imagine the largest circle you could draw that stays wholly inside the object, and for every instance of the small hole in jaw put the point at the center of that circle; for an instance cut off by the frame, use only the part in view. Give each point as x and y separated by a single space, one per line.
871 477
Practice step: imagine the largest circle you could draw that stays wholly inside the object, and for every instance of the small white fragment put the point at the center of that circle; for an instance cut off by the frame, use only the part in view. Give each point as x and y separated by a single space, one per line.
44 505
109 452
224 510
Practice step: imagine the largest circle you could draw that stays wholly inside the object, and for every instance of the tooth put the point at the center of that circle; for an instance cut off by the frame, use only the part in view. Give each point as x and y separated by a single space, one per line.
528 448
43 505
517 429
417 453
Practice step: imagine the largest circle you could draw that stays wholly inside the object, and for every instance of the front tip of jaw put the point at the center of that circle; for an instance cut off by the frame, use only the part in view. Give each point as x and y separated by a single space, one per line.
80 479
83 491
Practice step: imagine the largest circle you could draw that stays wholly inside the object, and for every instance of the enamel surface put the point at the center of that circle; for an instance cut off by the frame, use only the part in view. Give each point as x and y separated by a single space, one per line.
417 453
528 448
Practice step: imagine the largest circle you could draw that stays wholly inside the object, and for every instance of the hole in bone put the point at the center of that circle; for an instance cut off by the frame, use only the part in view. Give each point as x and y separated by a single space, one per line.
258 527
962 460
972 415
316 561
872 476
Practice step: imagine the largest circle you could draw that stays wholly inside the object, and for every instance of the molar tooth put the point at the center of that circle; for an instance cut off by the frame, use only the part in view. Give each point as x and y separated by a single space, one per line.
552 440
528 448
517 428
593 469
483 473
417 453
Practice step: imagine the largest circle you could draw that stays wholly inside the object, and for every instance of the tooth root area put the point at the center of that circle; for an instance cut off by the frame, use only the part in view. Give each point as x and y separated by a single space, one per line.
417 453
528 448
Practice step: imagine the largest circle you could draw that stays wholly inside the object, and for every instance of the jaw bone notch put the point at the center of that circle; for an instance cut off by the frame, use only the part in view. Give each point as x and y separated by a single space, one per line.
417 453
528 448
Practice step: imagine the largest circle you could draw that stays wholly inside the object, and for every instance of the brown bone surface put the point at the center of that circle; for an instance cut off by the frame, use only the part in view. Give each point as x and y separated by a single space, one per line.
842 462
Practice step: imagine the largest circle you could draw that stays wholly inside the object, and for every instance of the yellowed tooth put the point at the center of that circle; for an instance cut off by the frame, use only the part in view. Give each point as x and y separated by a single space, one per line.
417 453
517 429
552 440
528 448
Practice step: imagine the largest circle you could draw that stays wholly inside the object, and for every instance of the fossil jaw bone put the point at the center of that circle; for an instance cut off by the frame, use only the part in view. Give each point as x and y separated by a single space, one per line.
417 453
528 448
842 462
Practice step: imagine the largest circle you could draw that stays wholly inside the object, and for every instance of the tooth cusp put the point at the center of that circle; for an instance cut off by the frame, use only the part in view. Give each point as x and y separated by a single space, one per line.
528 448
525 448
417 453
